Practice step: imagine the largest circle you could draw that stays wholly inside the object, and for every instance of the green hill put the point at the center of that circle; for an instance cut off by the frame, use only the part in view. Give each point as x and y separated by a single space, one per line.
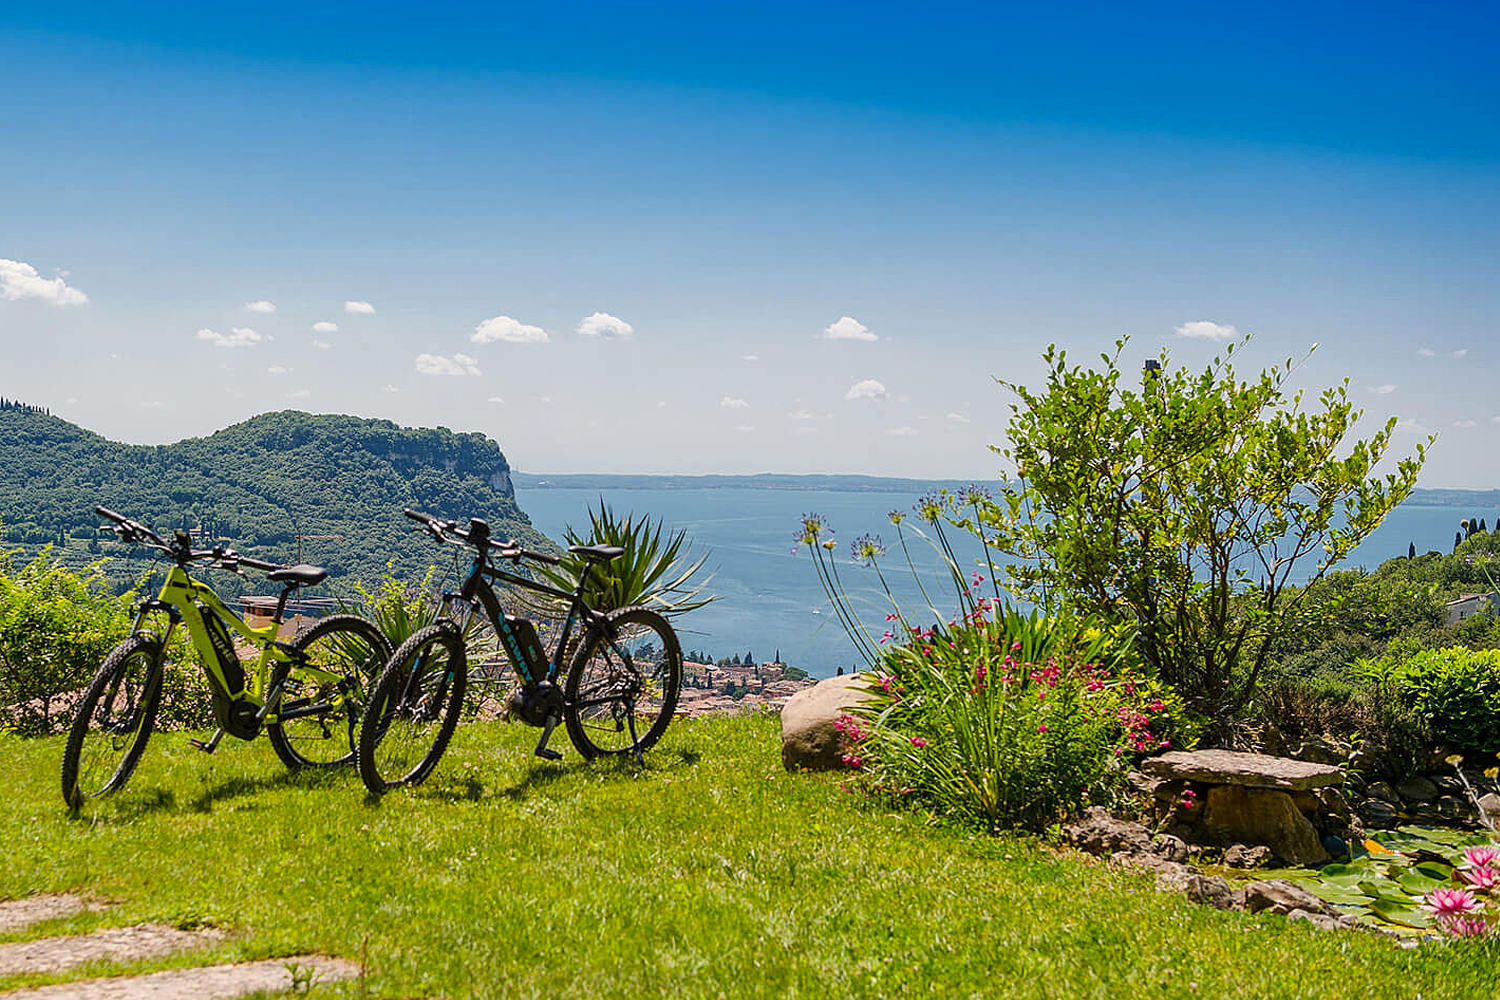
257 485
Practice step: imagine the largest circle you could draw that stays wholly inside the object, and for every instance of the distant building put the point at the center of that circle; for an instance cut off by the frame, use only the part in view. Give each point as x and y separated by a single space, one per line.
1468 605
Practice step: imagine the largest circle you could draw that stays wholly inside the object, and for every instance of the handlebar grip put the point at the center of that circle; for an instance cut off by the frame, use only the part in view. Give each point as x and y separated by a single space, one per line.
541 557
256 563
103 511
416 515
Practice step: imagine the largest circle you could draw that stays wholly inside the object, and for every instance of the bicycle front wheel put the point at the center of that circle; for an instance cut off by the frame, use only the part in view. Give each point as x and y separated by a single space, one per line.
623 683
318 718
112 721
413 709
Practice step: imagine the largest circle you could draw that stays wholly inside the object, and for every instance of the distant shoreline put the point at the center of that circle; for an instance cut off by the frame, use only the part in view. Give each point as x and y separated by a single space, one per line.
1435 497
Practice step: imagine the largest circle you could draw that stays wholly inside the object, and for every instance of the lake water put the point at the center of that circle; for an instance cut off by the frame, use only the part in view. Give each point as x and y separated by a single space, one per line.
770 598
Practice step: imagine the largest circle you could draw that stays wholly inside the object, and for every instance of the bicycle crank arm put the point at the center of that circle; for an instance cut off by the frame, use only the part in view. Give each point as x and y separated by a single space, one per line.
541 744
211 745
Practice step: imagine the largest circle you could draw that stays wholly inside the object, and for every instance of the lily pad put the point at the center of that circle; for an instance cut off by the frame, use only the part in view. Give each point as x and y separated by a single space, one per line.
1407 916
1417 884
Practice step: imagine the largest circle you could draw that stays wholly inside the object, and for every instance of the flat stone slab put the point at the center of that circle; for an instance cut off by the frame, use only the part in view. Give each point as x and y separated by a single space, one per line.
1248 770
18 913
215 982
115 944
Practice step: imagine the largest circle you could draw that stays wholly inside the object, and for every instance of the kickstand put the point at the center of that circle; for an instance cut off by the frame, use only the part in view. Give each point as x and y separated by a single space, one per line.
211 745
541 744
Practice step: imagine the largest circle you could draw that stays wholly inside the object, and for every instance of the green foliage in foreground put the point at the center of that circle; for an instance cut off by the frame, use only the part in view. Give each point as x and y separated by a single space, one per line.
1455 692
710 872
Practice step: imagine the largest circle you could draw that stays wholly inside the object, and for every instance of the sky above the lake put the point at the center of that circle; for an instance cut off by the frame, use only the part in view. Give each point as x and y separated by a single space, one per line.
733 237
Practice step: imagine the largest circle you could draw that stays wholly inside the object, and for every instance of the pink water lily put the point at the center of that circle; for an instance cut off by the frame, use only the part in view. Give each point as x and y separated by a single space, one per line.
1450 902
1481 857
1481 878
1465 926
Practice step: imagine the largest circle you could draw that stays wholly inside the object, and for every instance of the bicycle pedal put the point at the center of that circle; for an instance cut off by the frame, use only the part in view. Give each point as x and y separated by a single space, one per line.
203 745
547 754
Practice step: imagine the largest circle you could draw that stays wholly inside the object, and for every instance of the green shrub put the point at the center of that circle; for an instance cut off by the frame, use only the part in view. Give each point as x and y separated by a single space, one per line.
56 627
1010 720
1454 691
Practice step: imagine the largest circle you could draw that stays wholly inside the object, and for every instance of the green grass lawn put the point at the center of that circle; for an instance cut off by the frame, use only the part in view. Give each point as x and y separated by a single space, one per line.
710 872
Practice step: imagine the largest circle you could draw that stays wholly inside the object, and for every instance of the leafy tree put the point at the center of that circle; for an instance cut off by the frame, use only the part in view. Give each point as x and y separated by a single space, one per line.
1186 507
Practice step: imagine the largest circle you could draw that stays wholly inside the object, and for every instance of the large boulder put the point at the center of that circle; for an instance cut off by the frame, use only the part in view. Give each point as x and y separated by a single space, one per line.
810 740
1102 834
1263 816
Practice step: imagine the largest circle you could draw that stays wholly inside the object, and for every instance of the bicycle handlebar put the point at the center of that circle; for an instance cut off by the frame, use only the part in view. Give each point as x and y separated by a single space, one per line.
506 550
134 531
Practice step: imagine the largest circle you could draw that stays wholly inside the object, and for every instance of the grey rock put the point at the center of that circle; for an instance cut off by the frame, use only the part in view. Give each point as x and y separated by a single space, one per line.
1416 789
1378 813
1490 804
1247 856
1280 896
1320 751
1248 770
1384 792
809 738
1170 847
1451 807
1215 891
1101 834
1447 784
1322 921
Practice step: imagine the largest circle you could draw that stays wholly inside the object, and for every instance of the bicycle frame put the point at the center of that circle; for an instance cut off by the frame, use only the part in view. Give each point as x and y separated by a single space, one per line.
179 598
477 589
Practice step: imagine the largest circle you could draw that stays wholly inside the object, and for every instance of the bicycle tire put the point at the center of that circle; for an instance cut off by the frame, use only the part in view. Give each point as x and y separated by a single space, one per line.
605 690
133 668
412 710
345 644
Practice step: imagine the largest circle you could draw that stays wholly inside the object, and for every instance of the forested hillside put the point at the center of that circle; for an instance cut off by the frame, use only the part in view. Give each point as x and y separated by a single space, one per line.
256 486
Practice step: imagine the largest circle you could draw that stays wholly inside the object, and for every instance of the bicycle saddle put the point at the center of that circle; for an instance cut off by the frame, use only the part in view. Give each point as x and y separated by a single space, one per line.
602 552
301 575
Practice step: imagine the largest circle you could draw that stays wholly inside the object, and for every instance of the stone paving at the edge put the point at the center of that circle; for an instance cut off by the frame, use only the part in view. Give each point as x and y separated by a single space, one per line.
215 982
122 944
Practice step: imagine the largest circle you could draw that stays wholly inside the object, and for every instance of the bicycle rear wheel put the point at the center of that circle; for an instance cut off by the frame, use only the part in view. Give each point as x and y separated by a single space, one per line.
623 684
317 720
413 709
112 721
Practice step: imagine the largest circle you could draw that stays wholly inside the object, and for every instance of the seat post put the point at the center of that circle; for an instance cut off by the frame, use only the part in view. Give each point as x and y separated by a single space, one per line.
281 604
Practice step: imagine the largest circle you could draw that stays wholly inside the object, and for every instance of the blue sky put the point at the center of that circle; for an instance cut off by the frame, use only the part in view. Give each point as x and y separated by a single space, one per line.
755 237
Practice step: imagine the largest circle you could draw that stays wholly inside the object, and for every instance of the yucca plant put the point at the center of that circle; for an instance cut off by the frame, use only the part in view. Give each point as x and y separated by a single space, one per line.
656 569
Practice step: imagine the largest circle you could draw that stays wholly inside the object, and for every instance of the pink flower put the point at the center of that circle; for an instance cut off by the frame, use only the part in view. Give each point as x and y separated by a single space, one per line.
918 742
1481 857
1042 728
1465 926
1450 902
1481 878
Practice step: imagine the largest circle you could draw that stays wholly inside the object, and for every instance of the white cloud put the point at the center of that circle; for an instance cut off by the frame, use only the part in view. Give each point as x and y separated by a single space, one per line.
1202 329
299 394
152 404
867 389
902 432
437 364
1495 419
848 328
803 414
1412 425
1383 390
1458 353
958 418
494 399
605 325
1465 423
1426 352
750 357
731 403
389 388
544 399
510 330
359 308
277 370
324 326
260 306
321 345
19 280
240 336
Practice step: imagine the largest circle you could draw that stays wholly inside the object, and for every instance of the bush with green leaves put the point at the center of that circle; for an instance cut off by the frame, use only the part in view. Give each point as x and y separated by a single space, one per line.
1009 720
1454 691
56 627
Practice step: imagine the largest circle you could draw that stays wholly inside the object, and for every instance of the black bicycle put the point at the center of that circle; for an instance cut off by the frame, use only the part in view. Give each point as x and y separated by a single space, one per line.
622 681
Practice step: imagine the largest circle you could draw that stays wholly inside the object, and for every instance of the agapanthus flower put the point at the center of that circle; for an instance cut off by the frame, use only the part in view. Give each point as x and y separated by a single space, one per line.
1450 902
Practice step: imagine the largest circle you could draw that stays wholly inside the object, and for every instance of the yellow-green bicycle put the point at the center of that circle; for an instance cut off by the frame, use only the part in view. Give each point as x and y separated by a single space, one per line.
307 693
